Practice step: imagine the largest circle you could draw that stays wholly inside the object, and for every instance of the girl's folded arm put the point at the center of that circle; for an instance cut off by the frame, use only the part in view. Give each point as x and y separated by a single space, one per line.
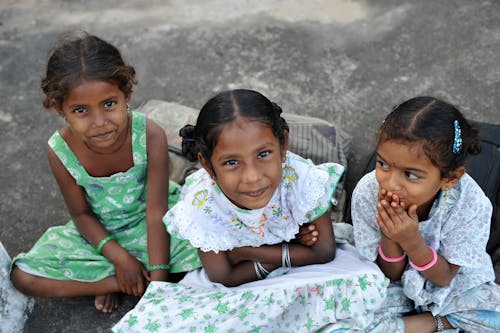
219 269
322 251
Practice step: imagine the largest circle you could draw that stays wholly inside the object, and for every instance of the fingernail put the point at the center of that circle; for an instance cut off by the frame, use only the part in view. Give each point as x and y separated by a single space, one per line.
311 227
315 233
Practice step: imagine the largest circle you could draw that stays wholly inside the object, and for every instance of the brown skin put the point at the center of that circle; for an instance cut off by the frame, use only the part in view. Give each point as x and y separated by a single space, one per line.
235 267
246 164
91 109
409 183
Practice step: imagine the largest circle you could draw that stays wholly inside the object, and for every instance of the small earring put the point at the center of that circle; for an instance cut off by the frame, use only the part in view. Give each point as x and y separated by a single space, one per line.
446 196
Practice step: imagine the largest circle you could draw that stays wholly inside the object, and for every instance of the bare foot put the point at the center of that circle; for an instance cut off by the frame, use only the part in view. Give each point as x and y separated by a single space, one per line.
107 303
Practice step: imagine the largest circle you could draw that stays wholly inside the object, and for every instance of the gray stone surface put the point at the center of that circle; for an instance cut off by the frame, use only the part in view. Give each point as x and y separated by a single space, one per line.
14 306
347 62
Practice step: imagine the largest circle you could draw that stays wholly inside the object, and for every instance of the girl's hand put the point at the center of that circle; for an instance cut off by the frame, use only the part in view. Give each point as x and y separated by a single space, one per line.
383 194
395 222
307 236
131 274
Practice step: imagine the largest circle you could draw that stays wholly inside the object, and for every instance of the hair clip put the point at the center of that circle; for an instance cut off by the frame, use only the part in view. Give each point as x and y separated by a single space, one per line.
457 141
188 140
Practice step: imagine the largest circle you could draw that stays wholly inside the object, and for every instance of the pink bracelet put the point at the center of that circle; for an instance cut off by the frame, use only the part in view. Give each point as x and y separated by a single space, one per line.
429 265
388 259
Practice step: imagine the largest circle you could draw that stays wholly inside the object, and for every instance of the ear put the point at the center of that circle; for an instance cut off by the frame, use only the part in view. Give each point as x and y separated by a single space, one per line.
284 147
57 107
454 176
206 165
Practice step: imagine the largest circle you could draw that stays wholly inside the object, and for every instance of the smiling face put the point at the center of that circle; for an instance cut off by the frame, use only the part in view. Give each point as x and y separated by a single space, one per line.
96 112
405 170
246 162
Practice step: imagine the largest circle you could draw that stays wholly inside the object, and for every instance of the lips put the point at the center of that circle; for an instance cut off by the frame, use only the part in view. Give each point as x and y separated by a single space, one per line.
102 136
256 193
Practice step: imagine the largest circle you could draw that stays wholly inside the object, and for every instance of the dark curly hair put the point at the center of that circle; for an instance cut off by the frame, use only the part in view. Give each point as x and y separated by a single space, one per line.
78 55
430 121
224 108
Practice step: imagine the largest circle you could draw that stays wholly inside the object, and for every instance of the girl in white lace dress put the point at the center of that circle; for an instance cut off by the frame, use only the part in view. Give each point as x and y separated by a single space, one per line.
243 211
426 223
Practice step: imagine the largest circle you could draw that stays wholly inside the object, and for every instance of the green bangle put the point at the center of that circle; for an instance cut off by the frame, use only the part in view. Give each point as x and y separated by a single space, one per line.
103 242
158 267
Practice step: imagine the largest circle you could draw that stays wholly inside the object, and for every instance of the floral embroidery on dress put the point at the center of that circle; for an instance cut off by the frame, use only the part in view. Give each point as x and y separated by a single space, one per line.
211 222
200 198
290 174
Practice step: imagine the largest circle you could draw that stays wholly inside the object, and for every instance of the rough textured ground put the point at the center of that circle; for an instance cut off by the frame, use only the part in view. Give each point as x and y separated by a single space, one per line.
345 61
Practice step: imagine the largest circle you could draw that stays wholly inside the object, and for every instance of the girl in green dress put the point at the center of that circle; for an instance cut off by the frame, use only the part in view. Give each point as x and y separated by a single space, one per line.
112 169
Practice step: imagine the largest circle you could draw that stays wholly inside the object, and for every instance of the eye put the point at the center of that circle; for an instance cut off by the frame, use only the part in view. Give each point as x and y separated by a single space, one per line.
411 175
263 154
231 162
109 104
79 109
381 164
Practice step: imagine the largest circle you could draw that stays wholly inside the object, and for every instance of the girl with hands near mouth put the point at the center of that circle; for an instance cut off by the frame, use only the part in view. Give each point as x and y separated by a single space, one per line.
426 223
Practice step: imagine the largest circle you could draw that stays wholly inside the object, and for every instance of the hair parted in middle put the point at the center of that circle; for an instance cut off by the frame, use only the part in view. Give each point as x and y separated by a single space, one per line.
433 124
224 108
78 56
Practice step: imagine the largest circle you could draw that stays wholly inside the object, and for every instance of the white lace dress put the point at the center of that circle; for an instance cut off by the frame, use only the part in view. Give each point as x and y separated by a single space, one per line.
343 293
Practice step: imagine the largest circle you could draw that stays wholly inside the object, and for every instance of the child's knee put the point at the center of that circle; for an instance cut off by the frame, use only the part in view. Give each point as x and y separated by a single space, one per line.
24 282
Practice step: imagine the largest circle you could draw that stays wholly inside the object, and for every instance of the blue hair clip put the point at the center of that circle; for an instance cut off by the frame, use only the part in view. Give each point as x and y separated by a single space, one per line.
188 140
457 141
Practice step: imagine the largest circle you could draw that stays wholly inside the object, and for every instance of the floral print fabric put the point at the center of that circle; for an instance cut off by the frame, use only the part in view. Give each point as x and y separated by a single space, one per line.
344 293
211 222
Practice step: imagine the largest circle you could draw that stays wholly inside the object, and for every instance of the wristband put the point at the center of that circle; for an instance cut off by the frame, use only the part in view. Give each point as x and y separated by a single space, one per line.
103 242
389 259
158 267
428 265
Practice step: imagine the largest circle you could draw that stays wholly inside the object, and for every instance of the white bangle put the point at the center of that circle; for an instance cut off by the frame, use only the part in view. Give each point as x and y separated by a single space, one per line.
263 271
285 255
257 271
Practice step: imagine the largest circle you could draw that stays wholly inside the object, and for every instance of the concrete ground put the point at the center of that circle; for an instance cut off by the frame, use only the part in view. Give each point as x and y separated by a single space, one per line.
344 61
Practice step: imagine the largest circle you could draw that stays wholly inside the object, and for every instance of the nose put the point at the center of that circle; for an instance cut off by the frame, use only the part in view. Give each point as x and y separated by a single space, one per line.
251 174
394 183
99 118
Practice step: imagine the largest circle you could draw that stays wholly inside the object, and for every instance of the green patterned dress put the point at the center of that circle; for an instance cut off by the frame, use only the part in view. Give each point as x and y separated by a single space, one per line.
119 203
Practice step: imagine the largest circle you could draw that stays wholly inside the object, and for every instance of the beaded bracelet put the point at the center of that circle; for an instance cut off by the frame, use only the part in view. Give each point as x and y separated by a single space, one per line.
439 323
157 267
389 259
103 242
428 265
